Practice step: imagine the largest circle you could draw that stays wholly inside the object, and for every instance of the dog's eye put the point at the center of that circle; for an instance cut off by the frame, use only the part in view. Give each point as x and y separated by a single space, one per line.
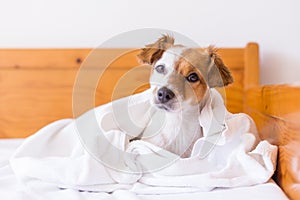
160 69
193 77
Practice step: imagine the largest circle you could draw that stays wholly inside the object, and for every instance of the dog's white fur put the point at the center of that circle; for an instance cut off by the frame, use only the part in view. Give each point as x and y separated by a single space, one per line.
181 126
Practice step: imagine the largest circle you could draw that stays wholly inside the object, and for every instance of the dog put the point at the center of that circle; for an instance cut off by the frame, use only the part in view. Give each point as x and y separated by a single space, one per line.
180 80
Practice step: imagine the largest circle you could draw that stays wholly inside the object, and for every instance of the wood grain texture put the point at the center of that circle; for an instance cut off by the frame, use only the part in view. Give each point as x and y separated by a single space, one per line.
74 58
276 111
31 99
42 58
38 86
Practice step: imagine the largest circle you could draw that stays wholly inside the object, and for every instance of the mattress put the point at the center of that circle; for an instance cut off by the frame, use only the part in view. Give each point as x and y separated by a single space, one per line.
11 188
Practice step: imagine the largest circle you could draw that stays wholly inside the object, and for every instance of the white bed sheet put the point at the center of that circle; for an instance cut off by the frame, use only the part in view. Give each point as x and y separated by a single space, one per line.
10 189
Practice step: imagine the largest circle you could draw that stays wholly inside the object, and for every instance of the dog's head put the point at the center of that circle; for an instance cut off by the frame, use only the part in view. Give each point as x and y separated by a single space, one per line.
182 75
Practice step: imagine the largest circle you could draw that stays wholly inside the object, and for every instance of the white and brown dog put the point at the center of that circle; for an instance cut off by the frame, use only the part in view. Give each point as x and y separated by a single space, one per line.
180 80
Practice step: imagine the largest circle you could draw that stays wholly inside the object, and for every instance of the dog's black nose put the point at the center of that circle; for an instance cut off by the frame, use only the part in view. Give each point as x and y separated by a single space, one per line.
164 94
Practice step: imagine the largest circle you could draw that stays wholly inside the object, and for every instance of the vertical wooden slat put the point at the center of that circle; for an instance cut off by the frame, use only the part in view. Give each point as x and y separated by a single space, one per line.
251 70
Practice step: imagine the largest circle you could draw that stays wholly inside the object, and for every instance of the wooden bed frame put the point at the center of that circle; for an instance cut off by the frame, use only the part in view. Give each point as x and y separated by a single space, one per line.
37 88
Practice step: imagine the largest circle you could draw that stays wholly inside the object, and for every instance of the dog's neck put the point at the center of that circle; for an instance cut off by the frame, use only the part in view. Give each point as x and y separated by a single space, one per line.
180 129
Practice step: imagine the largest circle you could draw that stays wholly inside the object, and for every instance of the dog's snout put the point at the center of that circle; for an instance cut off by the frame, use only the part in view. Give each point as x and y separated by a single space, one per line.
164 94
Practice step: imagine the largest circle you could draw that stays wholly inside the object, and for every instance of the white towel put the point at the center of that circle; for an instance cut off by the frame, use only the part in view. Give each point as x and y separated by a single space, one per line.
93 153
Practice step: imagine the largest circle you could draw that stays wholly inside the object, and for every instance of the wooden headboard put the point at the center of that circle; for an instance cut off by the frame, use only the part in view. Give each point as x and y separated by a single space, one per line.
37 87
37 84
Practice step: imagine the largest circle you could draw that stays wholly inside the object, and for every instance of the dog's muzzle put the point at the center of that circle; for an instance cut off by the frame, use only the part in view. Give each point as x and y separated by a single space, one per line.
164 95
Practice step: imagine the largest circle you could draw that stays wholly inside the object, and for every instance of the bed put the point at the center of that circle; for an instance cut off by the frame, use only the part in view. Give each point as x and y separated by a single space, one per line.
37 87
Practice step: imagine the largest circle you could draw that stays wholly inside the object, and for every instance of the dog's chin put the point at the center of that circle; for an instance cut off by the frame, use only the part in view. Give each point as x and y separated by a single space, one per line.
163 107
169 108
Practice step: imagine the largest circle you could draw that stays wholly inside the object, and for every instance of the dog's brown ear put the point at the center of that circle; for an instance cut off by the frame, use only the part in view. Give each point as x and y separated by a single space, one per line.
153 52
218 74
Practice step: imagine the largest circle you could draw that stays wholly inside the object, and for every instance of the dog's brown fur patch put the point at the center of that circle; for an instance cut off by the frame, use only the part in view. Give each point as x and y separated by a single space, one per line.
219 75
216 75
185 68
152 52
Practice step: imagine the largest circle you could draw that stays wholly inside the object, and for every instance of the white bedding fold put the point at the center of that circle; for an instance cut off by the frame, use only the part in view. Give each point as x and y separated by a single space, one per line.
93 152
